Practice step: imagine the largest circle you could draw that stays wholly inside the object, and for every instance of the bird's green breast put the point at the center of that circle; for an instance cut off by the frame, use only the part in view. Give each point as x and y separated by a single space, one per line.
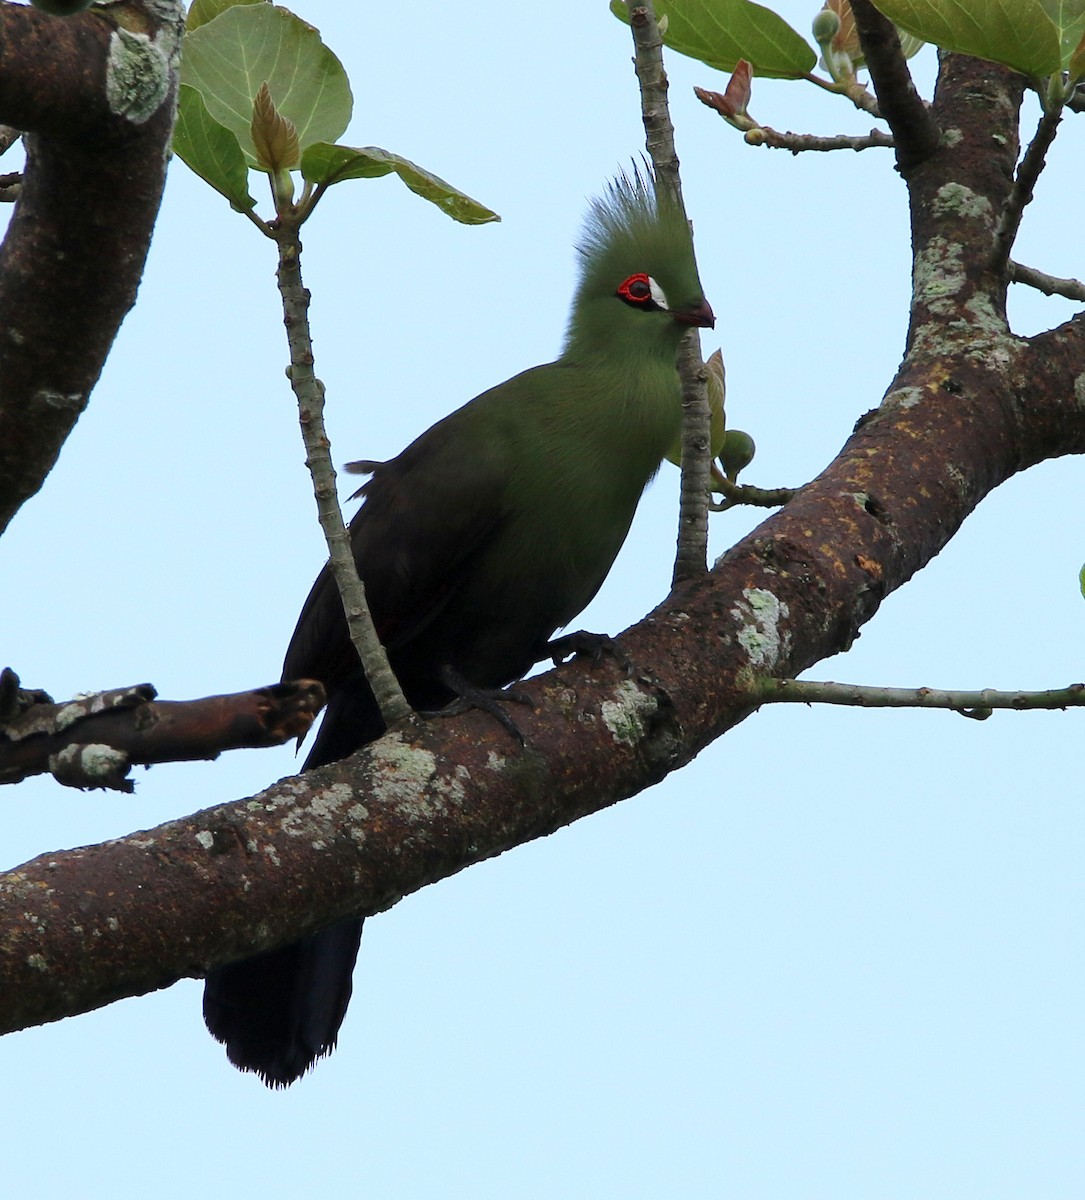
582 444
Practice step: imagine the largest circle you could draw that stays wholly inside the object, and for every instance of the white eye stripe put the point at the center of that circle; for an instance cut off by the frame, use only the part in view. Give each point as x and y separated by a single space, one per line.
658 294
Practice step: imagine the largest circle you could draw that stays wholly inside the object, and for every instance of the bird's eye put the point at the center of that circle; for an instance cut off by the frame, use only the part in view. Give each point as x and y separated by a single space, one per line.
637 289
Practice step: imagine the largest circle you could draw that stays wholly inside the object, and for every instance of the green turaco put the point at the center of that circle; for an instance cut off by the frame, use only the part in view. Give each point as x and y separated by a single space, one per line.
485 536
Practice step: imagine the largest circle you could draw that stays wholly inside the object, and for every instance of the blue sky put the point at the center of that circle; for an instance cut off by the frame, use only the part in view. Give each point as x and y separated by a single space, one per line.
840 955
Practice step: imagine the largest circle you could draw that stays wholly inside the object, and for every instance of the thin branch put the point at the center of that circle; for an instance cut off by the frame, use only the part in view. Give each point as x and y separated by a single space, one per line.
736 494
763 135
93 741
855 92
692 556
915 132
1028 172
310 395
976 704
1050 285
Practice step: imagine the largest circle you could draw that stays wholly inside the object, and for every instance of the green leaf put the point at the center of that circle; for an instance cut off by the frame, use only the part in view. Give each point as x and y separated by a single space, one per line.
229 58
1068 17
210 149
1081 580
326 164
1076 68
1021 34
202 11
720 32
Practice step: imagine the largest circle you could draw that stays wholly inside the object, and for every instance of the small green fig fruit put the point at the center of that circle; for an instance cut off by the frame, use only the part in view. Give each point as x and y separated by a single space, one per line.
825 26
737 452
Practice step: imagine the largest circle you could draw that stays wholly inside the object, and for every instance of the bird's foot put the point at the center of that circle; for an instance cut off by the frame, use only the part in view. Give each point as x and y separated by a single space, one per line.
595 645
487 700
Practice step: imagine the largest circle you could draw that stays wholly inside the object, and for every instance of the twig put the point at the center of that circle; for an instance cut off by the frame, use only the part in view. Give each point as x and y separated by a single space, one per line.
736 494
310 394
11 187
763 135
1050 285
855 92
1028 172
977 705
915 131
691 559
93 741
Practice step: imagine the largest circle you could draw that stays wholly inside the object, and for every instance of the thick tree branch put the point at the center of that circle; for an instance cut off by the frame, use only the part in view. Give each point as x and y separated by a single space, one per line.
915 132
92 741
97 102
81 928
955 198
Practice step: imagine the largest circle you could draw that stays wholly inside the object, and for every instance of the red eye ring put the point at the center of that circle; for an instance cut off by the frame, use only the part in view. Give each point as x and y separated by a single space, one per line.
637 289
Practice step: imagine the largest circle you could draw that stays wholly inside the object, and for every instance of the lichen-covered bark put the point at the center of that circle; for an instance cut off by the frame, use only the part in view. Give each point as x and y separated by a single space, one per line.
970 405
96 102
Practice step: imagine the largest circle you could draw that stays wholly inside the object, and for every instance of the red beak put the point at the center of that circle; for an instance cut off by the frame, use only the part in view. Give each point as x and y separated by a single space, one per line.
702 316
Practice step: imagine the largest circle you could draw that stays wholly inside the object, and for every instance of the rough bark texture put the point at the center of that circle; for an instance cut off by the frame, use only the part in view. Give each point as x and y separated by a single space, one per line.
971 405
96 103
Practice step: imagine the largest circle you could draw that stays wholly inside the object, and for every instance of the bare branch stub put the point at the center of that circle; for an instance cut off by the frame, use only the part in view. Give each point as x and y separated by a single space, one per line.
91 741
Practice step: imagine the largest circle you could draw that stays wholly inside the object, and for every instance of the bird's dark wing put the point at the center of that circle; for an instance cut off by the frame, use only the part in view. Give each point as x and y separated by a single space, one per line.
425 517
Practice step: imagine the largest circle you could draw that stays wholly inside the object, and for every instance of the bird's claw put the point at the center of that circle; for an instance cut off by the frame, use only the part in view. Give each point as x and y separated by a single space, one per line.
597 646
487 700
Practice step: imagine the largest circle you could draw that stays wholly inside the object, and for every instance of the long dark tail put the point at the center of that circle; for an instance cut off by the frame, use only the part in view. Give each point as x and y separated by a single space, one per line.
279 1012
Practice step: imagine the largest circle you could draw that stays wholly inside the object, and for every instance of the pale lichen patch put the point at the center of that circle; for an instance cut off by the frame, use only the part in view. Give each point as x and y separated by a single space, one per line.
628 715
90 765
205 838
956 200
312 820
37 962
905 397
404 769
938 275
1079 390
760 613
137 75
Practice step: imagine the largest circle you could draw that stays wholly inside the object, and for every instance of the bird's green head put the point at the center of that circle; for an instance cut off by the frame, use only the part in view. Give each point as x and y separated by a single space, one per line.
638 278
